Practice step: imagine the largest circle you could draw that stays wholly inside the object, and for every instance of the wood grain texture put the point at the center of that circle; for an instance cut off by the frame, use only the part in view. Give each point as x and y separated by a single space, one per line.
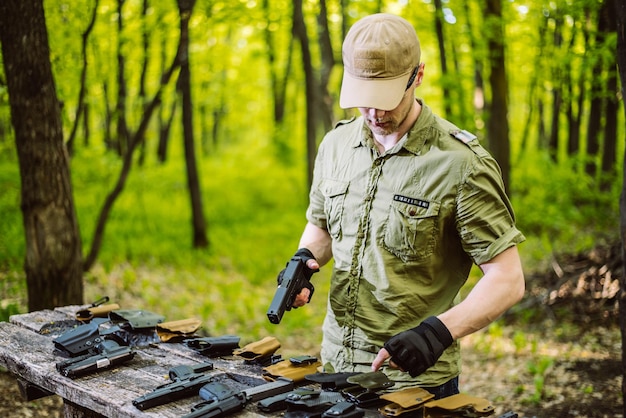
27 351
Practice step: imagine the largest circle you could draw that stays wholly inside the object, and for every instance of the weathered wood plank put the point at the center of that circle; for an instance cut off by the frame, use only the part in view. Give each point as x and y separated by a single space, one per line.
30 356
27 351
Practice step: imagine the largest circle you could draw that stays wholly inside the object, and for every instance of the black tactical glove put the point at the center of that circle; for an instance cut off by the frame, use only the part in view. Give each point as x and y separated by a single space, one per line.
305 255
417 349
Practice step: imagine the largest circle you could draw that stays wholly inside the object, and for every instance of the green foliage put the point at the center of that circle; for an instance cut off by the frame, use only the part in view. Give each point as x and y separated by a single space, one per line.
560 209
539 370
11 227
7 310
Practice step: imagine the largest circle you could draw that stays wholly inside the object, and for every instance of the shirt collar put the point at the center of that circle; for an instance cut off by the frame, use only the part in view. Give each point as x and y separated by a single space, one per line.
421 130
412 141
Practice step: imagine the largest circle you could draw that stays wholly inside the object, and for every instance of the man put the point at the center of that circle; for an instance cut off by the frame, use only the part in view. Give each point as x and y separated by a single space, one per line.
405 202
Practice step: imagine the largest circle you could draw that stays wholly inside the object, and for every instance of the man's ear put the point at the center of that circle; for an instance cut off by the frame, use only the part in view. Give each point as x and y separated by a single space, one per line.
420 75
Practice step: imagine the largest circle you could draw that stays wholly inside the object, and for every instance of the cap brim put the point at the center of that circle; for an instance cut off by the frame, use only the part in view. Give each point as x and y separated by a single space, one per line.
372 93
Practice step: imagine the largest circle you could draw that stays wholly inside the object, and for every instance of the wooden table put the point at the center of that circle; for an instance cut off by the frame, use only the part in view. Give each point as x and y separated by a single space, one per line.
27 351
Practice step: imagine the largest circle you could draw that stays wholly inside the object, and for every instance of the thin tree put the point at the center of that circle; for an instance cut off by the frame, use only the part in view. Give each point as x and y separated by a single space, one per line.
278 81
164 120
443 60
479 84
328 62
300 32
143 74
498 123
53 262
619 8
81 109
123 132
532 96
200 240
609 149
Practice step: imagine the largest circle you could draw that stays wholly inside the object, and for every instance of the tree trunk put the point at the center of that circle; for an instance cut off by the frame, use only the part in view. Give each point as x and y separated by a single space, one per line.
328 62
278 81
53 262
447 106
299 29
479 84
81 106
200 239
164 121
123 135
575 82
619 8
557 90
143 74
533 87
609 150
498 123
598 101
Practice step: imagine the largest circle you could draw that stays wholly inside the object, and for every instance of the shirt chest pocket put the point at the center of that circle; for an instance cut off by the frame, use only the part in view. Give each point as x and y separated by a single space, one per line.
334 192
411 230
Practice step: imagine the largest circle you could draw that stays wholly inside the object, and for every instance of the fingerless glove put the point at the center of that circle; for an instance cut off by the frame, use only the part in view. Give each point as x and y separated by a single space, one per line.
305 254
419 348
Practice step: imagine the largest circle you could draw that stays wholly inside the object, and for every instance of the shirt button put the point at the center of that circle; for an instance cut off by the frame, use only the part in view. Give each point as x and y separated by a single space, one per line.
412 212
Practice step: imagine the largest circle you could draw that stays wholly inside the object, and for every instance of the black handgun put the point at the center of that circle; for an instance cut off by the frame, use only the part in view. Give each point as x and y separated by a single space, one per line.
294 279
186 381
105 355
223 401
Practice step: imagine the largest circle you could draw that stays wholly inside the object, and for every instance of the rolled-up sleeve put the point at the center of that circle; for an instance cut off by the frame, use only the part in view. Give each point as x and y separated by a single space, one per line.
485 218
315 213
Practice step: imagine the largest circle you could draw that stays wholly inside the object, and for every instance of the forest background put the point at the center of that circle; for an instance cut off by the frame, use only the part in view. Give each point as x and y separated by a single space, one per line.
191 127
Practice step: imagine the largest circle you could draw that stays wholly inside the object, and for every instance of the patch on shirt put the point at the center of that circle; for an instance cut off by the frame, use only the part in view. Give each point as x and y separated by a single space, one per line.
411 201
463 136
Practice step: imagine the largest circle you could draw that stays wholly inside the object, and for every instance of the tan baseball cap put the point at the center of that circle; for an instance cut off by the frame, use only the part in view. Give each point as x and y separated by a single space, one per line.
380 53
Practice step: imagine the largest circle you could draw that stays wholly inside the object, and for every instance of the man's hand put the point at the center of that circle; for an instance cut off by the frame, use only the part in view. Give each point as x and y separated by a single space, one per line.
312 266
380 359
415 350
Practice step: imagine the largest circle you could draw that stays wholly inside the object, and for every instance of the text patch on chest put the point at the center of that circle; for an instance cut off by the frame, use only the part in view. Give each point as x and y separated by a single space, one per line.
411 201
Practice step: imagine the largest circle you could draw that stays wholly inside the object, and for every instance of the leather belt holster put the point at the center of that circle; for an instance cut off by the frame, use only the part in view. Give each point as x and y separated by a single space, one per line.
290 370
404 401
458 405
255 350
101 311
177 330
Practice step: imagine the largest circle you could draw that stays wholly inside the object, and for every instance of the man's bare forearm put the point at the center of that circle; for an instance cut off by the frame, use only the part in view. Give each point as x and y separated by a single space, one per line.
501 287
318 241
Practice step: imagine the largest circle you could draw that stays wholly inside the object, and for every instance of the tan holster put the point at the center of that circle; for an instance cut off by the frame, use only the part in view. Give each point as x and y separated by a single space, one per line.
183 328
458 403
403 401
262 348
101 311
289 370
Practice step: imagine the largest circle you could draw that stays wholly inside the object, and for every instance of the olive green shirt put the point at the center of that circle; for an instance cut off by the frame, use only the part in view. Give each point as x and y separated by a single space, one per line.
406 227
